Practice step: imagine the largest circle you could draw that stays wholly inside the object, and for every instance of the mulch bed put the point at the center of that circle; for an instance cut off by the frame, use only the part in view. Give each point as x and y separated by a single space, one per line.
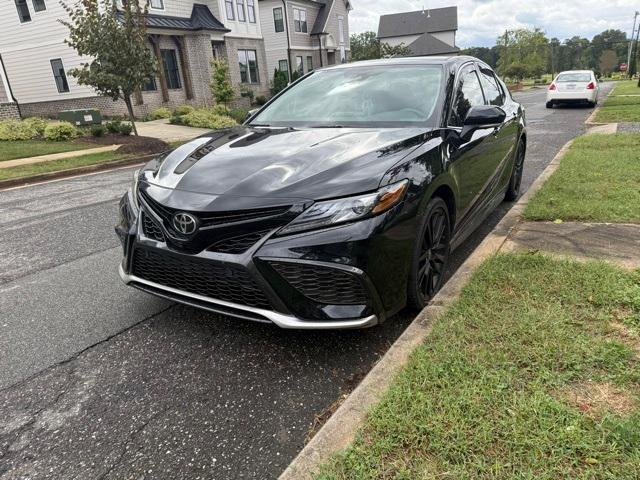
130 143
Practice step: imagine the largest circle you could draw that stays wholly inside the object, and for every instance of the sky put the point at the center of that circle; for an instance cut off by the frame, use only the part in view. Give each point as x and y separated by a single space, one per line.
481 21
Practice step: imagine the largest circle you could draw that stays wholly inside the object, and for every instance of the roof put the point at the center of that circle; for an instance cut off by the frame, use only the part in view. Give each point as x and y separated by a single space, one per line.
427 44
323 16
418 22
201 19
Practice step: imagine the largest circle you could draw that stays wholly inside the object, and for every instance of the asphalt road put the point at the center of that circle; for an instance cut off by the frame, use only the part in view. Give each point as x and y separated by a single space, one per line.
102 381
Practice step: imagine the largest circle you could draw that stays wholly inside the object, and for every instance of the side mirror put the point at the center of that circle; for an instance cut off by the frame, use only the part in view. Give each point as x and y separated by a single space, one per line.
481 116
251 113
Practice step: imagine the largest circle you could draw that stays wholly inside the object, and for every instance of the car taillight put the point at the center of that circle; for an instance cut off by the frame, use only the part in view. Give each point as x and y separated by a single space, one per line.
591 86
552 86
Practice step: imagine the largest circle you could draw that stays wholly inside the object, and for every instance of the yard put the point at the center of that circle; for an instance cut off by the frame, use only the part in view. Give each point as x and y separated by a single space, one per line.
33 148
623 105
533 373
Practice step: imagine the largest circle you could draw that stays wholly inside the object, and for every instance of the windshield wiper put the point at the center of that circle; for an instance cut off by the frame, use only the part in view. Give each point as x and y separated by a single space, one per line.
259 125
327 126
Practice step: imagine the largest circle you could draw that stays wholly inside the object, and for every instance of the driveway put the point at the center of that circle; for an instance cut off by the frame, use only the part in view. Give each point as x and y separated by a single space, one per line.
101 381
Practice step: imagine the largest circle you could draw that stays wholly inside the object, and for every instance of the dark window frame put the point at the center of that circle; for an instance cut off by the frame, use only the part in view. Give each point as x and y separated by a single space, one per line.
278 22
466 68
242 13
171 72
161 7
251 11
39 5
151 85
24 15
309 63
299 25
229 9
247 74
59 75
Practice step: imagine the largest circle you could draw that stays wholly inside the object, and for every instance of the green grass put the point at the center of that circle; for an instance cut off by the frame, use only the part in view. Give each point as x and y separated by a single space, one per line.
598 180
617 108
33 148
55 165
489 395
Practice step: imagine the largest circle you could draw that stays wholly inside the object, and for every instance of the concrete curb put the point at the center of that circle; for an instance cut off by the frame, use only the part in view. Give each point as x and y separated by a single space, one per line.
340 430
72 172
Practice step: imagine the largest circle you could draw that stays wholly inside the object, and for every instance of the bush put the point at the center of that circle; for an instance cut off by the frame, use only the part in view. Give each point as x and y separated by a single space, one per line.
182 110
261 100
114 127
13 130
98 130
280 81
38 124
239 114
58 132
207 118
176 120
219 109
162 112
126 129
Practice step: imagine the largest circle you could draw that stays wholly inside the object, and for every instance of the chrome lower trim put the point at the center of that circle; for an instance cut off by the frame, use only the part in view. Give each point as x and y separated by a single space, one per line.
279 319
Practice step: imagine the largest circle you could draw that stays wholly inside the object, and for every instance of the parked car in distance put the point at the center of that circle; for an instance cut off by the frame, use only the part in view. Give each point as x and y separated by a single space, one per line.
337 204
573 87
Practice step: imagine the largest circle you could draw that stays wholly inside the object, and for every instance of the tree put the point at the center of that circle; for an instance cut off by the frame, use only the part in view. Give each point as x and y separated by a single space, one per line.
388 51
221 87
365 46
523 48
487 55
116 42
516 71
608 61
279 82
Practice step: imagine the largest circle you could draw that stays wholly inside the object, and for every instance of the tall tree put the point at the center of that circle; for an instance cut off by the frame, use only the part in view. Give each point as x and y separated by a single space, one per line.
115 40
367 46
524 47
608 61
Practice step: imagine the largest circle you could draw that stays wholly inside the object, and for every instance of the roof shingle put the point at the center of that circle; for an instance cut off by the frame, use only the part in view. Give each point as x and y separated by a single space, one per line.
418 22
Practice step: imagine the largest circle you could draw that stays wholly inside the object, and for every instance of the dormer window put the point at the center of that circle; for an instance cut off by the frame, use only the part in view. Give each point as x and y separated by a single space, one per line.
300 20
23 11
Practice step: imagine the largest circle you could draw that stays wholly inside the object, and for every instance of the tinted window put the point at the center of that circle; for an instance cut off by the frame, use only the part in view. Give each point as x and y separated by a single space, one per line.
171 72
574 77
360 97
39 5
469 95
59 75
492 90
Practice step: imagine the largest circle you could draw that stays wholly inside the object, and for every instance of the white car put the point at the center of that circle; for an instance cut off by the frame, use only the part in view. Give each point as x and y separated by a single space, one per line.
575 86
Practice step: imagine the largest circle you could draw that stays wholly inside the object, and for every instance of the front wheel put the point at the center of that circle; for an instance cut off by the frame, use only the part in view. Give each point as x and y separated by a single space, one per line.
549 104
431 255
513 191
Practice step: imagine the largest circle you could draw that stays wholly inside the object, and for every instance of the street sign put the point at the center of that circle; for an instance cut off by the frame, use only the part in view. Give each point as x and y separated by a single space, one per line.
623 67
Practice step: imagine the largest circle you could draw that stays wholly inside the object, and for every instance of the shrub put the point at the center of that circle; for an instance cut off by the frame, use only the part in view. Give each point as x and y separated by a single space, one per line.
58 132
38 124
261 100
162 112
239 114
114 127
206 118
98 130
176 120
126 129
182 110
219 109
12 130
280 81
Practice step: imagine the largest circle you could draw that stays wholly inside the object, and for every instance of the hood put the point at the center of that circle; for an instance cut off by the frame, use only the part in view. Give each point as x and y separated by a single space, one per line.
281 164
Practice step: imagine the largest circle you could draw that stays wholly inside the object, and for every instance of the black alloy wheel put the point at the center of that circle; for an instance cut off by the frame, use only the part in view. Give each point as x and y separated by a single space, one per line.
431 255
513 192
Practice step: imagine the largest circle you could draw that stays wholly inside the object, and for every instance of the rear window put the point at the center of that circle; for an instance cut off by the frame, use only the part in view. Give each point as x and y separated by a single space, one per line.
574 77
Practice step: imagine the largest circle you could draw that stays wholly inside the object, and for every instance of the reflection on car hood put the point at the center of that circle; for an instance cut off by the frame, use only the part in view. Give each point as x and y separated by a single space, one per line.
285 163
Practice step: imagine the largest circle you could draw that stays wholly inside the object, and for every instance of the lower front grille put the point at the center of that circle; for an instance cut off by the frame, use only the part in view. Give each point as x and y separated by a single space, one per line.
202 277
323 284
151 229
239 244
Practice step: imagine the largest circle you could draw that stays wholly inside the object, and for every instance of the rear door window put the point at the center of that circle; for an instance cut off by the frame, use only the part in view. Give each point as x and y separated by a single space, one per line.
492 90
469 95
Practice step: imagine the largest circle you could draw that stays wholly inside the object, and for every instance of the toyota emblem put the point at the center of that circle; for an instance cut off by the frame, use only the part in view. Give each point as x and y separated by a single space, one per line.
185 223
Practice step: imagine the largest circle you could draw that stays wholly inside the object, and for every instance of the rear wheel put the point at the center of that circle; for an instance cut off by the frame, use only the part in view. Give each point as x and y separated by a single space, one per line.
549 104
513 191
431 255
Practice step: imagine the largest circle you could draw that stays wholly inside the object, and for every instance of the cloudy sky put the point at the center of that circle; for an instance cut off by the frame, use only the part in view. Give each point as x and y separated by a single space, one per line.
481 21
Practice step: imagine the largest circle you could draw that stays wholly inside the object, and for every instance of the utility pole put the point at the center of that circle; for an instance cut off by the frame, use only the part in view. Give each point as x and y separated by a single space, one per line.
630 49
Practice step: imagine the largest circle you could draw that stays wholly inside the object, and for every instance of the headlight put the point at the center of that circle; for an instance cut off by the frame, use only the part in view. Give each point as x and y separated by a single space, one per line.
341 210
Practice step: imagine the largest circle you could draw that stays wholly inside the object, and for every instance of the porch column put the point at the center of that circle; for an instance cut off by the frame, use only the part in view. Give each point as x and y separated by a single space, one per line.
184 64
155 41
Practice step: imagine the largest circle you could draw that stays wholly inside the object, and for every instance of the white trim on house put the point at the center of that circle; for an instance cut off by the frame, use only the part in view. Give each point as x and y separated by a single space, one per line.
5 84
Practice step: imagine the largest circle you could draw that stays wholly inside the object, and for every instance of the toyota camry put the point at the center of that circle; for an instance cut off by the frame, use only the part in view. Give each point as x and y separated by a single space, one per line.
335 205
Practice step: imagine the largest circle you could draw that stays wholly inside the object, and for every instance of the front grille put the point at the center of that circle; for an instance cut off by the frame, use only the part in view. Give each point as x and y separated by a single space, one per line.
151 229
199 276
239 244
323 284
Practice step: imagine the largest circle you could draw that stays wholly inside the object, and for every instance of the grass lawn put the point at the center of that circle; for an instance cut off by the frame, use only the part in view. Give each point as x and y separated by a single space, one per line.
33 148
617 108
598 180
533 374
55 165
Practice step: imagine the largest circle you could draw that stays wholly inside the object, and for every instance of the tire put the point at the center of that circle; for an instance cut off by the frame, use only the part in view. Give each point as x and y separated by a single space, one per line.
549 104
592 104
513 191
430 256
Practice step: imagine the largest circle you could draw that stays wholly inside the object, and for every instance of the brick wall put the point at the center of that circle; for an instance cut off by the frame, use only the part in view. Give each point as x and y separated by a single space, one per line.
9 111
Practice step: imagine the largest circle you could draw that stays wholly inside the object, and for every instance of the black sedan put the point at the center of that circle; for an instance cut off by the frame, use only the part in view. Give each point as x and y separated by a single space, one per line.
334 206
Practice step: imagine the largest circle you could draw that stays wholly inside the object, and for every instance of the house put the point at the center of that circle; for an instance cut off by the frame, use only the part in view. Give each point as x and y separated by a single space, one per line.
424 32
184 36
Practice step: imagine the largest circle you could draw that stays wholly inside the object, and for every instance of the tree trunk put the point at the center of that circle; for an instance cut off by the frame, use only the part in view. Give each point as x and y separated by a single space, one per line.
127 101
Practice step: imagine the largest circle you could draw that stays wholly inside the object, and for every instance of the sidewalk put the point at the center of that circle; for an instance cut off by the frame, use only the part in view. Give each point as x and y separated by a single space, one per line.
163 130
55 156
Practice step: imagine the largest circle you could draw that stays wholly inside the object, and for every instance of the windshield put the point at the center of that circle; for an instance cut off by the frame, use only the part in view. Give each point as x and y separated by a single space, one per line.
372 96
574 77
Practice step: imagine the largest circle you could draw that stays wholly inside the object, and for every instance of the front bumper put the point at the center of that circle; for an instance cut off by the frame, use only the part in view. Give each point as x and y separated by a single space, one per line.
329 279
